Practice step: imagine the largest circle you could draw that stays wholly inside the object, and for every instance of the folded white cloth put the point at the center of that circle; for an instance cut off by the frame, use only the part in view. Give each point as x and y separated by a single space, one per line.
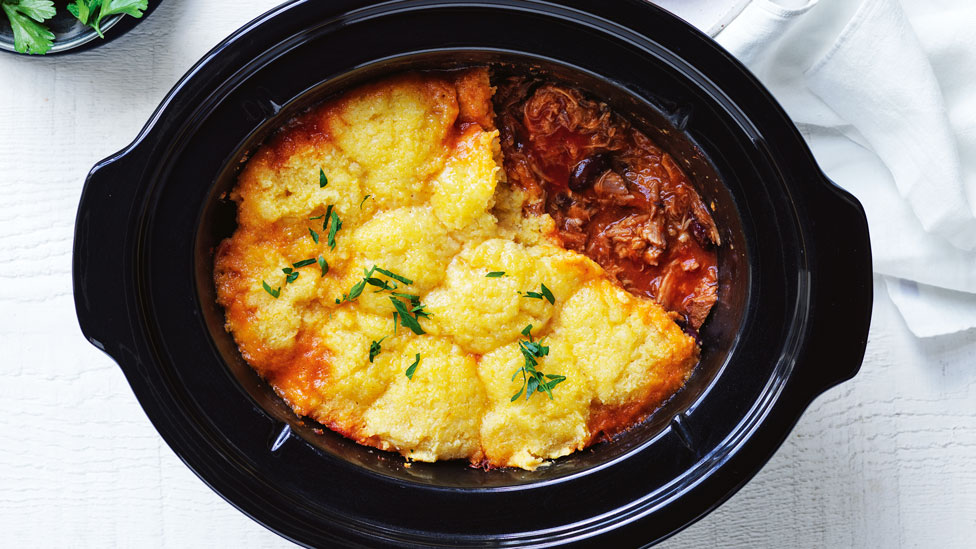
884 92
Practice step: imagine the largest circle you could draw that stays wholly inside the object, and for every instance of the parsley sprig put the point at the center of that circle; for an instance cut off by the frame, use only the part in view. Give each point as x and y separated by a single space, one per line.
26 20
92 12
32 36
532 379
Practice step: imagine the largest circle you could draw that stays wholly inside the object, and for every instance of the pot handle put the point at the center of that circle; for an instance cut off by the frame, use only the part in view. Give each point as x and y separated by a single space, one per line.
104 227
842 288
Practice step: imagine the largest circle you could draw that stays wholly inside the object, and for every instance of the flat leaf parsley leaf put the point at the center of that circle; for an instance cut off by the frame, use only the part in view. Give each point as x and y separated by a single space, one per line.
26 16
92 12
495 274
413 367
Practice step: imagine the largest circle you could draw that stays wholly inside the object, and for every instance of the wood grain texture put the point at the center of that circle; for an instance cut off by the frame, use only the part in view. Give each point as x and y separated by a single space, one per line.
886 460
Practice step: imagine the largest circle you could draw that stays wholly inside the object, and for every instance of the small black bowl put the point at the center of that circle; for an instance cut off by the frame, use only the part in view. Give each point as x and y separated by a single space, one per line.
70 36
792 319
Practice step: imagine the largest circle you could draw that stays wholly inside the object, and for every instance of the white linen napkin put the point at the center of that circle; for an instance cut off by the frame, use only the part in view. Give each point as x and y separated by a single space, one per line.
884 92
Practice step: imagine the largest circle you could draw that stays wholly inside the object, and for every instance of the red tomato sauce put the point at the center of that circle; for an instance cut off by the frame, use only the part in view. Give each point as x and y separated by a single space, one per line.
614 195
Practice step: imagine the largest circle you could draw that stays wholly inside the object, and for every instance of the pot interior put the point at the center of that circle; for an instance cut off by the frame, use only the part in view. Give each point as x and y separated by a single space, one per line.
669 122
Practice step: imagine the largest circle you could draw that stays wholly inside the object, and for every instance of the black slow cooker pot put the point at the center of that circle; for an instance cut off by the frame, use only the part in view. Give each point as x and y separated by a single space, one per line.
792 319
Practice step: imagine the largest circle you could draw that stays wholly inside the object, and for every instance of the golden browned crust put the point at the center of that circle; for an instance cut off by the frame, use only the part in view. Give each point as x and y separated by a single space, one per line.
412 167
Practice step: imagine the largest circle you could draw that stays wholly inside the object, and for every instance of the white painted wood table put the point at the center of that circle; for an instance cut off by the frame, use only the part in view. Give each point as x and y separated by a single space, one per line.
886 460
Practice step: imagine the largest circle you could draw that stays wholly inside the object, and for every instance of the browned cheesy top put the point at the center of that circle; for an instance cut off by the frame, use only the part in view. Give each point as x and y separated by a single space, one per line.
389 281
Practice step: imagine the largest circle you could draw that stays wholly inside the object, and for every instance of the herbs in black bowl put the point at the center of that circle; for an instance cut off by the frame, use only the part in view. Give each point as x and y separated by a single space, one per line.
31 21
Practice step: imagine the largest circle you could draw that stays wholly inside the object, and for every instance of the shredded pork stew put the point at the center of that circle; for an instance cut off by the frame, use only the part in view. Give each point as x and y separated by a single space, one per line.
614 195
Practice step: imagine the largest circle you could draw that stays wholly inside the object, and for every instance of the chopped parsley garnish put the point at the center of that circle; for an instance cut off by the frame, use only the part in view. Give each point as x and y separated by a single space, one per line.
316 217
274 293
334 228
392 275
406 318
532 379
534 348
365 198
323 180
407 309
383 285
374 348
415 307
548 295
413 367
355 291
380 283
315 235
418 311
290 275
328 215
495 274
303 263
545 293
323 265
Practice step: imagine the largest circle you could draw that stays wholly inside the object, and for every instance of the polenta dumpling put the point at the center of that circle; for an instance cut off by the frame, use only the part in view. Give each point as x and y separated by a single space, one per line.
410 167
